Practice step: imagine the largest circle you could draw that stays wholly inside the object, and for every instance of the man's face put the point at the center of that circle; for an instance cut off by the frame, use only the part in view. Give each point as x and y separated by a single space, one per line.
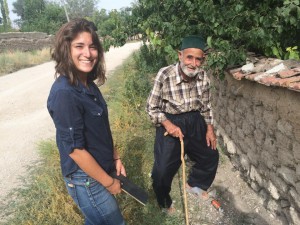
191 60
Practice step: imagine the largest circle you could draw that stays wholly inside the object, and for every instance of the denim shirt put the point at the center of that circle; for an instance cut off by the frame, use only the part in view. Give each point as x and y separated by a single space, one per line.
81 120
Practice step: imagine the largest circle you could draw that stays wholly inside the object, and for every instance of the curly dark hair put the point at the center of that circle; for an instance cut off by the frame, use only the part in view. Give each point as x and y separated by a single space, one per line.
61 51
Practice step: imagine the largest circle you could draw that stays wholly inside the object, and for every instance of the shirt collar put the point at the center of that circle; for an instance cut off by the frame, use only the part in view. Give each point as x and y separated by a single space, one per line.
82 89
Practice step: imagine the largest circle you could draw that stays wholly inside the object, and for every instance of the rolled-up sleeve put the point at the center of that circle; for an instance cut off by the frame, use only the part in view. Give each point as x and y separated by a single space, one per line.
154 102
67 116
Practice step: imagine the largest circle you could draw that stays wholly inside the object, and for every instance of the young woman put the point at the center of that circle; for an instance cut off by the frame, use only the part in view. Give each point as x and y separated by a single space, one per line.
80 116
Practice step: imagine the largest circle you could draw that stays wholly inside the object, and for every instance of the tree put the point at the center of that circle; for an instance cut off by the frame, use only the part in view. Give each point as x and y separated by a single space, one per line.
50 20
5 15
232 27
81 8
19 8
116 27
39 15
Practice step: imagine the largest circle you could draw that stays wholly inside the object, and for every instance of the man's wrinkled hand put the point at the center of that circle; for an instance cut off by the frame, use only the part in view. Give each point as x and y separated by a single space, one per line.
173 130
211 139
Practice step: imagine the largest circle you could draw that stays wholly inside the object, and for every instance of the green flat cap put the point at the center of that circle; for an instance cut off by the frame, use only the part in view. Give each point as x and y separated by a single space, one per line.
193 41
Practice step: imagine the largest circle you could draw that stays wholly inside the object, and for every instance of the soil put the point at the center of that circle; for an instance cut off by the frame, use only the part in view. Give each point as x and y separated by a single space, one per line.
239 204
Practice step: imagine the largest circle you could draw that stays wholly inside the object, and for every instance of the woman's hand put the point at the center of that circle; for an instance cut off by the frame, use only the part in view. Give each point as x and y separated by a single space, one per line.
115 187
120 167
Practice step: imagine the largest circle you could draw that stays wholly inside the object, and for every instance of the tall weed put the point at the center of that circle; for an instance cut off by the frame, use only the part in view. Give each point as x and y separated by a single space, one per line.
11 61
147 59
134 137
44 199
138 82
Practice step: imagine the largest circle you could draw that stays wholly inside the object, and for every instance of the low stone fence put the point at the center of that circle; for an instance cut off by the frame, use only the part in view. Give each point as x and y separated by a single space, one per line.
258 126
24 41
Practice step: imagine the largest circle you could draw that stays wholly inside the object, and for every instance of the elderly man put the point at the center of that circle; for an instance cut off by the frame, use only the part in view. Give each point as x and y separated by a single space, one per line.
179 105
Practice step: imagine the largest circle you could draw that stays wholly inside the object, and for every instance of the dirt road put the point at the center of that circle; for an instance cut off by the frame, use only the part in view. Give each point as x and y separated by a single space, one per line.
24 120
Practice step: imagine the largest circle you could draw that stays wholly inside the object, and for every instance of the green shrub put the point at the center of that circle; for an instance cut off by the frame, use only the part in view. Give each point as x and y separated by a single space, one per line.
138 82
232 27
11 61
44 199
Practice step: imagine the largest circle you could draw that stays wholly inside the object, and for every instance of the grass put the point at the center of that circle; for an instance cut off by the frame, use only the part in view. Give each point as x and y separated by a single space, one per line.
44 199
134 136
11 61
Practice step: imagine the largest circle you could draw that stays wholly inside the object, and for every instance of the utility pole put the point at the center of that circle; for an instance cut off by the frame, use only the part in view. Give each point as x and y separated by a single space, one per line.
63 2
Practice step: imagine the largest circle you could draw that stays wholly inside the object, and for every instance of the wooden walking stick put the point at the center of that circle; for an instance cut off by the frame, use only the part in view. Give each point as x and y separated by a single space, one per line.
183 180
183 183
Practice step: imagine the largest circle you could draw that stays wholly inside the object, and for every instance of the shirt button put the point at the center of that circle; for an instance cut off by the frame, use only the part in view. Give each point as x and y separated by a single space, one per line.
99 114
95 99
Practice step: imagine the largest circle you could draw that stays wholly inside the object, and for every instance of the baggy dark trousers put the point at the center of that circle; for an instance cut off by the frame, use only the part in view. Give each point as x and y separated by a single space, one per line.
167 152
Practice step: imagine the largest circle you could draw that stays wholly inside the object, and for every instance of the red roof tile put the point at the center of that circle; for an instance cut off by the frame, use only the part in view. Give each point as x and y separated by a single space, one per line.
269 81
288 78
294 86
288 73
285 82
253 76
238 75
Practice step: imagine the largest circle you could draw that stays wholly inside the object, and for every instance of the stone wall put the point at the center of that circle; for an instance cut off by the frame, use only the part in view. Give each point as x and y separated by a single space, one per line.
259 128
24 41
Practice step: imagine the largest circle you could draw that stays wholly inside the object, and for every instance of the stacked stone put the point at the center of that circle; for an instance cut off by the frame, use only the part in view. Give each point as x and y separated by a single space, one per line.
259 128
24 41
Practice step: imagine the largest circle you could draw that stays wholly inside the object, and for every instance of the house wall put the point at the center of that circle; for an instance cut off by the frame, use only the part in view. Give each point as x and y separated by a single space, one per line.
258 127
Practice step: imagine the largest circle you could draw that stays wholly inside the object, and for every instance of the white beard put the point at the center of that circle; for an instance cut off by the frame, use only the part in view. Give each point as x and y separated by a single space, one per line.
187 72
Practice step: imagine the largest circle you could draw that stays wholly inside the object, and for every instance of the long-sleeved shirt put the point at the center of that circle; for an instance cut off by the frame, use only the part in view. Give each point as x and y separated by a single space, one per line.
172 94
81 119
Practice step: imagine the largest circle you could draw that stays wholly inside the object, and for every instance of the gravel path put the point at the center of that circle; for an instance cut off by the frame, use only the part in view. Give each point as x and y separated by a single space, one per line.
24 119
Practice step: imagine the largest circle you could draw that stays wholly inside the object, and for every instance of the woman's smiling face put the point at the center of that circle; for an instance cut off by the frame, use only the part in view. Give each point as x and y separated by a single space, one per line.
84 53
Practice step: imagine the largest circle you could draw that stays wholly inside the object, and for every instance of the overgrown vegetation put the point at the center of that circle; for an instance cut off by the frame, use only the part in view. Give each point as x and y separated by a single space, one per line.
134 136
232 28
47 16
11 61
5 23
44 198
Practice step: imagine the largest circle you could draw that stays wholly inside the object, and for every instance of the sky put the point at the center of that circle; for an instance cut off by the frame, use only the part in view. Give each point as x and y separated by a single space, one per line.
103 4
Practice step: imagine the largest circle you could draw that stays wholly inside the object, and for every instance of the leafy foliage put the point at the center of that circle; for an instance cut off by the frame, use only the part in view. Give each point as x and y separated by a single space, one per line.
5 23
138 83
49 21
44 200
39 15
134 136
47 16
81 8
115 27
232 27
